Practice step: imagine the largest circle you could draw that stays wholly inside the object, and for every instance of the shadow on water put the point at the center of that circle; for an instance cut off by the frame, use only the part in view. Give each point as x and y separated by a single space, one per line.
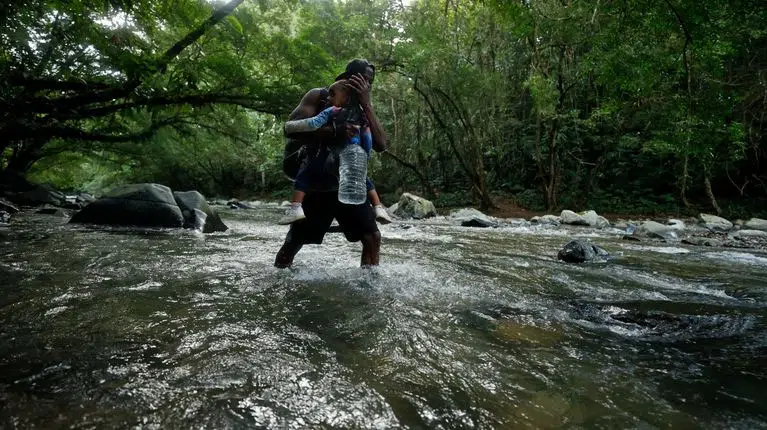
459 328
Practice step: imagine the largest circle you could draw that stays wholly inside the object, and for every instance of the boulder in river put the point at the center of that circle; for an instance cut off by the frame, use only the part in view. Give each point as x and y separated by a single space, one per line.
581 251
676 224
412 206
8 207
657 230
546 219
470 217
702 241
5 217
749 233
756 224
715 223
588 218
145 205
52 210
192 203
236 204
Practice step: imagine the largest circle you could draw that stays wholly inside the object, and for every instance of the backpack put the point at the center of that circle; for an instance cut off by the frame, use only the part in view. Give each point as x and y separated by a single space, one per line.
295 151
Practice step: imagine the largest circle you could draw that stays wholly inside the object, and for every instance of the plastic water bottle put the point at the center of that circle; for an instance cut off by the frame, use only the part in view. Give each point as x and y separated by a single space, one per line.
352 172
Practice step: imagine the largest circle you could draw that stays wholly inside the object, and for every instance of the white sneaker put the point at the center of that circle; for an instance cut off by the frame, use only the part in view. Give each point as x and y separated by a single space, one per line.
292 214
382 215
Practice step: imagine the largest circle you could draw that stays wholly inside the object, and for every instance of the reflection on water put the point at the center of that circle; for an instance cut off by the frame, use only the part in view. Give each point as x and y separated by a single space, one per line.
458 328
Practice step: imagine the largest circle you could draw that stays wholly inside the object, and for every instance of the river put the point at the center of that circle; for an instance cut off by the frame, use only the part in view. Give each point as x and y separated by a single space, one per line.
458 328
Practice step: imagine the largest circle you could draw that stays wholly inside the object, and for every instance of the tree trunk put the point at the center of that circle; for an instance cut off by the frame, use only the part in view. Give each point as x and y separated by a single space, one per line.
710 192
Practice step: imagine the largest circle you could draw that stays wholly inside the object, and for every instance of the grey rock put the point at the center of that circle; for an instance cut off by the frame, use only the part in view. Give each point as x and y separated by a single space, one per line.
412 206
470 217
656 230
8 207
581 251
676 224
236 204
571 218
5 217
631 238
192 201
756 224
588 218
40 195
144 205
546 219
715 223
702 241
52 210
749 233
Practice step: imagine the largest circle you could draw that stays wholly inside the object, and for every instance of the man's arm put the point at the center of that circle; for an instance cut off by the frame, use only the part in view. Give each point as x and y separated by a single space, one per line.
359 84
305 110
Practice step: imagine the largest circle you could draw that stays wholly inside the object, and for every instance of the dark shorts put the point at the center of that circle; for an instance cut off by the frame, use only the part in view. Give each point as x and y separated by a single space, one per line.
320 208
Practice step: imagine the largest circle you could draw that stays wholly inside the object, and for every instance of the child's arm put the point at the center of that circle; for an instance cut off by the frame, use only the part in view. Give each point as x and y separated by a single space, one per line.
366 140
310 124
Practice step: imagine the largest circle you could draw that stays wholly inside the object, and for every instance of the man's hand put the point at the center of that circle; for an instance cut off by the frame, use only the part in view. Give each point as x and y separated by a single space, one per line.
359 84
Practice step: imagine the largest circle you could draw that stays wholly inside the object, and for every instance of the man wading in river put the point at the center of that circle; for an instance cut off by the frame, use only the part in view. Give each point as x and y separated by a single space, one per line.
321 203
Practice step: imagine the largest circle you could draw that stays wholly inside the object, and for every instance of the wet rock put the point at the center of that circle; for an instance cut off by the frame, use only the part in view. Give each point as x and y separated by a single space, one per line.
84 199
702 241
145 205
8 207
5 217
631 238
412 206
52 210
39 196
756 224
580 251
676 224
749 233
236 204
192 203
715 223
393 208
587 218
470 217
656 230
546 219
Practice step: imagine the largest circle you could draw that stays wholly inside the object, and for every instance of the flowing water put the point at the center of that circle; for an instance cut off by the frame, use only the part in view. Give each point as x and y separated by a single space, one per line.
458 328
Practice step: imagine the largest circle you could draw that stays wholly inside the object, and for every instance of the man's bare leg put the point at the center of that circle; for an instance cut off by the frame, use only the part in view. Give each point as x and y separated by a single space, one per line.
371 249
286 254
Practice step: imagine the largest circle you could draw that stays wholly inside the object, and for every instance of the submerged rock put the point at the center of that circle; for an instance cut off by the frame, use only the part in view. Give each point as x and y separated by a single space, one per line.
145 205
580 251
412 206
715 223
470 217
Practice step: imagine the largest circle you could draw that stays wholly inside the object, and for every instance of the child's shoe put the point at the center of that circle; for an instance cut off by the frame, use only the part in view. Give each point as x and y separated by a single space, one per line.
382 215
293 213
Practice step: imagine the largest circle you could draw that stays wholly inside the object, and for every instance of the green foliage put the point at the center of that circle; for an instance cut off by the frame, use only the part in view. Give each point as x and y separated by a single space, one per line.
645 107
